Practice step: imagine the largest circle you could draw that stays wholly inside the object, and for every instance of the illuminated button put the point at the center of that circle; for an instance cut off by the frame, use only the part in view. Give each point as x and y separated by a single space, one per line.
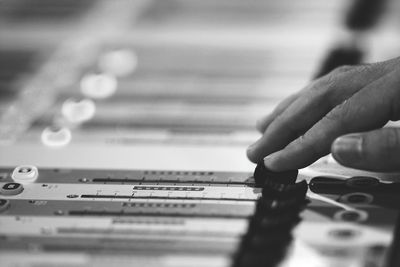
25 174
4 204
119 62
98 85
11 189
76 111
56 136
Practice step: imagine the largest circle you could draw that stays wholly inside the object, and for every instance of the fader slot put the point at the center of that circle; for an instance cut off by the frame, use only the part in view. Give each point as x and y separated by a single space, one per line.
204 178
178 208
99 192
151 247
138 228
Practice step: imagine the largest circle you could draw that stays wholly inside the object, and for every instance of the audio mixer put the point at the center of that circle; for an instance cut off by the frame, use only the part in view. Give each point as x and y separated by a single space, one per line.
82 217
123 129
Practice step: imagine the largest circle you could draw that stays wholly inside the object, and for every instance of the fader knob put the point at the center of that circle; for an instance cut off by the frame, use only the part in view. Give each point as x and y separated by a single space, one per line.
285 191
262 174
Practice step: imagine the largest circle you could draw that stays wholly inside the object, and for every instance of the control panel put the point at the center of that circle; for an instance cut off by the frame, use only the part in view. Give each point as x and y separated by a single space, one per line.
81 217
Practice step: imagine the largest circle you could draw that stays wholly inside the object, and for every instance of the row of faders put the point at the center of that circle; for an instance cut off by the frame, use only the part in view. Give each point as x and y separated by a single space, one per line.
158 218
125 218
277 212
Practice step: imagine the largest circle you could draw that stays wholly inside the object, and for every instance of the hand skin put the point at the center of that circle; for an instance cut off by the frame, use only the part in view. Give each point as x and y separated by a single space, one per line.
343 113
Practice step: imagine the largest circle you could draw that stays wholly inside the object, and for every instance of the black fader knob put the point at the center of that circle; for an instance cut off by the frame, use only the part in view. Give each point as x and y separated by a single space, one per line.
262 174
285 191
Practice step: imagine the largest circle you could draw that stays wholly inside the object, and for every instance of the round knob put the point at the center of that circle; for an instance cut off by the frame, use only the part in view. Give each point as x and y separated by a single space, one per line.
25 174
10 189
262 174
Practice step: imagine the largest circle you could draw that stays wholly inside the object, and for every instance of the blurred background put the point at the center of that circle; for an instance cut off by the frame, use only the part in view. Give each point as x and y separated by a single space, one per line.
167 84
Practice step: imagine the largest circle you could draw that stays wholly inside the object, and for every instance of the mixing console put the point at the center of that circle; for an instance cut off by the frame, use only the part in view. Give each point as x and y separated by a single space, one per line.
124 125
193 218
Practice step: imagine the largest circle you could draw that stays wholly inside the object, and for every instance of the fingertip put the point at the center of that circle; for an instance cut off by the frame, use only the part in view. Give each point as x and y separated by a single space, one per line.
250 153
270 162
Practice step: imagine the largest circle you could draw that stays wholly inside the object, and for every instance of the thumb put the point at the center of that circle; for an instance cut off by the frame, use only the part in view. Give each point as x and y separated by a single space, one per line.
378 150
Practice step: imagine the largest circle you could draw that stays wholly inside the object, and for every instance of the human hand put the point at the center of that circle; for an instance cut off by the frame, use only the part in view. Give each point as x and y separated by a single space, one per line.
341 113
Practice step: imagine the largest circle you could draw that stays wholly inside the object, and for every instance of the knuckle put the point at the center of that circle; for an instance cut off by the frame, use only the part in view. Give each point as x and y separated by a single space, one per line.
336 78
340 115
342 69
328 88
325 86
330 82
366 67
313 148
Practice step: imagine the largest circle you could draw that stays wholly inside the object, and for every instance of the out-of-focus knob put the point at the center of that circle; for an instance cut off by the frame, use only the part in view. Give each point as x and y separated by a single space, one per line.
11 189
25 174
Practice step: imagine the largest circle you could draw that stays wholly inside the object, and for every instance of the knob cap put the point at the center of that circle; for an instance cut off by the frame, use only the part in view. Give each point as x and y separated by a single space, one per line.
262 174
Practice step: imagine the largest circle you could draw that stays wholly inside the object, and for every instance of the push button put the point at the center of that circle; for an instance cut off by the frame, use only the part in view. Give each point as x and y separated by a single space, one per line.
121 62
78 111
53 136
10 189
25 174
99 86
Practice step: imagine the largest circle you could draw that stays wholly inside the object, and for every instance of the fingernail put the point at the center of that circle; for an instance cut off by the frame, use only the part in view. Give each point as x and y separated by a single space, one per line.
268 161
348 148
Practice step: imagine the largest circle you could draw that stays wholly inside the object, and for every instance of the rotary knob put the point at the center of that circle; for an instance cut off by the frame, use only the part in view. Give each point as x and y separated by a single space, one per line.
11 189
